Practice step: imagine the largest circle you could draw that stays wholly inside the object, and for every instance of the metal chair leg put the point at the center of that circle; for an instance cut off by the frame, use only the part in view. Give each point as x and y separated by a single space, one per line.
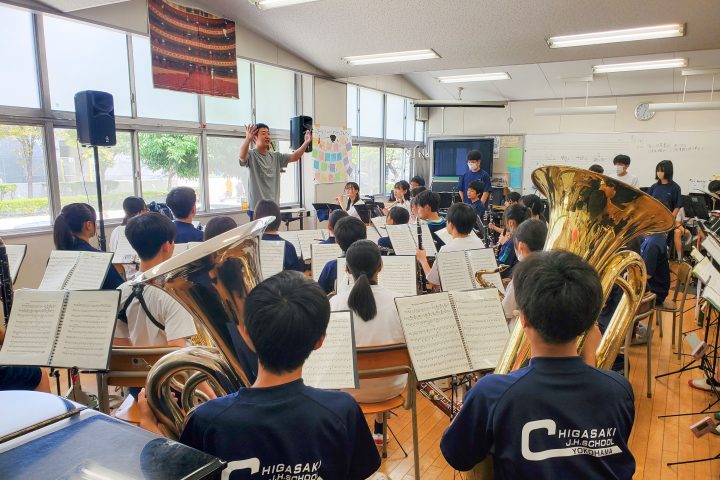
649 362
672 332
416 453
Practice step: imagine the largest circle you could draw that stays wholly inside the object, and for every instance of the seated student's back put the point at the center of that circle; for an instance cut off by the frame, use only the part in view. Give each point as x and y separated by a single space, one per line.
218 225
514 215
395 216
335 215
181 201
268 208
347 231
281 428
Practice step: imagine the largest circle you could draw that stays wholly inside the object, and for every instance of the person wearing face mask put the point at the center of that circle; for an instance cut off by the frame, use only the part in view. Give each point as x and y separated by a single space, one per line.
622 163
73 229
474 159
665 189
515 215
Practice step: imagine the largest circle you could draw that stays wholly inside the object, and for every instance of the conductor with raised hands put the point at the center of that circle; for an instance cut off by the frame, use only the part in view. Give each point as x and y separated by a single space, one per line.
265 164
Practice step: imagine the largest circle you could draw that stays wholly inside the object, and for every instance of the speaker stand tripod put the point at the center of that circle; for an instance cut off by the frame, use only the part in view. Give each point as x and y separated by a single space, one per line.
98 189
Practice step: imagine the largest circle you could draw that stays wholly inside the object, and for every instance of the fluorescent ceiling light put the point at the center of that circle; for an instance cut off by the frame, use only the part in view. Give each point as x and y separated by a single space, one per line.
615 36
683 106
689 72
459 103
266 4
391 57
476 77
589 110
637 66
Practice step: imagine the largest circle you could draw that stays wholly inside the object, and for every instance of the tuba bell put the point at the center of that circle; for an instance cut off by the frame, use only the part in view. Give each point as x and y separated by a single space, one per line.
211 281
594 216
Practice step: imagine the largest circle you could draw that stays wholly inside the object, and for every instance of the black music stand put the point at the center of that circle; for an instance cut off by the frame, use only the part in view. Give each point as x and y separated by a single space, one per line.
365 211
323 210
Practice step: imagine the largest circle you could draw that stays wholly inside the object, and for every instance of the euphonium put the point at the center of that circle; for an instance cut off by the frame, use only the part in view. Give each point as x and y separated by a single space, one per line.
211 281
594 216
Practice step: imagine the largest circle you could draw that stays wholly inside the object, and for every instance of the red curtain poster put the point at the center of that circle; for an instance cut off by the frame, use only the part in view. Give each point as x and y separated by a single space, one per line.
192 51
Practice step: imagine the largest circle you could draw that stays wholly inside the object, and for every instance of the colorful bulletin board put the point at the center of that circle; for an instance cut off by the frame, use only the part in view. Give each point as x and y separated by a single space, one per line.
332 154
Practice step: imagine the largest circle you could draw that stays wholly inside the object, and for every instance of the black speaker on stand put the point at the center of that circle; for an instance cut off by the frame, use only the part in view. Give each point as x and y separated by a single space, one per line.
298 126
95 119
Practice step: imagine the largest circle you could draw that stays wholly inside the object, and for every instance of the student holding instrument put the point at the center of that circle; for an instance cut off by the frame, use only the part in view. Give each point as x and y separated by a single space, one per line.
352 192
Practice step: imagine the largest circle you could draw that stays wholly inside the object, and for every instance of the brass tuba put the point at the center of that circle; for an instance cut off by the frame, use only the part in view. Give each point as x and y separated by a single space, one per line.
211 281
594 216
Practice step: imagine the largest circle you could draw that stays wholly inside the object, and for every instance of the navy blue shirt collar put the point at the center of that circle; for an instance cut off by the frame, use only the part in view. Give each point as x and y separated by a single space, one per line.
572 364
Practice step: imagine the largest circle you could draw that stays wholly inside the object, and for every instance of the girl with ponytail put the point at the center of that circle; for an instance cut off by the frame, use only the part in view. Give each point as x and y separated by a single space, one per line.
375 320
73 229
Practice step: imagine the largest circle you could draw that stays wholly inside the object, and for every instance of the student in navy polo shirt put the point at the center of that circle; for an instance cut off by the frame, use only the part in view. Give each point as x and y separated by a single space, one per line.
73 229
335 215
396 216
474 159
267 208
181 201
546 421
654 253
348 230
427 205
281 428
665 189
514 215
475 191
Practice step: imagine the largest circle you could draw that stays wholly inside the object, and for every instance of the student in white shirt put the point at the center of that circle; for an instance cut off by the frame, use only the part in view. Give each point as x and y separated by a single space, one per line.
352 190
376 320
400 196
460 221
622 163
132 206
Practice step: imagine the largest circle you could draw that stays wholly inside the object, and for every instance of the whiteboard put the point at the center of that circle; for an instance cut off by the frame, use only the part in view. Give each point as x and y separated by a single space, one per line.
695 155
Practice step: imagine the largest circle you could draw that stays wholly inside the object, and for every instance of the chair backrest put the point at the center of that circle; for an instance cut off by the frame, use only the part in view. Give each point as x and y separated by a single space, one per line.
379 361
645 307
684 276
129 366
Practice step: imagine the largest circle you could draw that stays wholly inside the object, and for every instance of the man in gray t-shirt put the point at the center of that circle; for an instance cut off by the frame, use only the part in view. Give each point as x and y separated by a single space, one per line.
265 165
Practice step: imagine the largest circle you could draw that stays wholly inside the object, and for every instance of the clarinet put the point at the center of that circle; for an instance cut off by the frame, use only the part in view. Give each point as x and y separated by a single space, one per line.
6 288
423 284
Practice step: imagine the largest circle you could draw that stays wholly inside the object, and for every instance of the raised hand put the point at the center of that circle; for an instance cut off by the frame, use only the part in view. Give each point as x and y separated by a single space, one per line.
308 136
250 131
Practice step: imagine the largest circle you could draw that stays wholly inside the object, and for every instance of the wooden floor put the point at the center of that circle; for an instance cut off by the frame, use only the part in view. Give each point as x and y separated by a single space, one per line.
654 442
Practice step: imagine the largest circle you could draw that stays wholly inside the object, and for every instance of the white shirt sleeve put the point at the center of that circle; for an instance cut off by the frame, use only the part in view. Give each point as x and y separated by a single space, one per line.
121 329
178 321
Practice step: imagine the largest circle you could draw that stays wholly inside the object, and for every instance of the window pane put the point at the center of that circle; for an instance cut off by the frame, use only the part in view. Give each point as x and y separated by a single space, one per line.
274 96
397 166
409 120
289 178
352 109
226 179
155 102
371 113
83 57
231 111
420 132
367 162
168 161
18 85
395 117
23 179
76 172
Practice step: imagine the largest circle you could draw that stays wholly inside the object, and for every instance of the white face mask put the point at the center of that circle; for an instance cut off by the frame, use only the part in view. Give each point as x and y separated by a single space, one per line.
620 169
660 175
472 166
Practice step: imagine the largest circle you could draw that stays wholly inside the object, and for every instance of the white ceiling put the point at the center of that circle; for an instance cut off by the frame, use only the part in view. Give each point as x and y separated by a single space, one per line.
488 35
72 5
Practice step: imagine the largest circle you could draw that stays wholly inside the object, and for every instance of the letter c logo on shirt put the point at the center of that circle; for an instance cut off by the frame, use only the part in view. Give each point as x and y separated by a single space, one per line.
252 464
550 426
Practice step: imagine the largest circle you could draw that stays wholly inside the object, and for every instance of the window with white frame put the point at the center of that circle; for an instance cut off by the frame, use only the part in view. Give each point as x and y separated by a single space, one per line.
232 111
274 96
18 84
394 117
371 113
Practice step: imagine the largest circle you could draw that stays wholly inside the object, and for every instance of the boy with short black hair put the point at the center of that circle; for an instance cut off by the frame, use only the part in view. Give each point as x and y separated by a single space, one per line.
622 163
348 230
475 191
396 216
460 222
475 172
267 208
279 427
565 430
428 204
181 201
514 216
335 215
218 225
417 181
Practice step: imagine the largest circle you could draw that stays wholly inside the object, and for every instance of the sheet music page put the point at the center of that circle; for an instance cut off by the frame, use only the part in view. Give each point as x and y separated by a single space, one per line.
484 259
58 268
712 247
427 240
344 281
432 336
373 235
322 253
453 270
483 325
15 254
307 238
90 271
709 294
124 252
292 237
398 274
87 330
704 269
179 248
32 327
444 235
379 224
272 256
334 365
402 240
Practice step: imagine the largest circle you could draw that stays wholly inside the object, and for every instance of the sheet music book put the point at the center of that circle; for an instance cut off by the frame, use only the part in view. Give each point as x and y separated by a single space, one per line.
405 242
15 255
450 333
61 329
712 247
292 237
334 365
68 270
321 254
457 269
444 235
183 247
373 234
398 274
272 257
124 252
379 224
307 238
